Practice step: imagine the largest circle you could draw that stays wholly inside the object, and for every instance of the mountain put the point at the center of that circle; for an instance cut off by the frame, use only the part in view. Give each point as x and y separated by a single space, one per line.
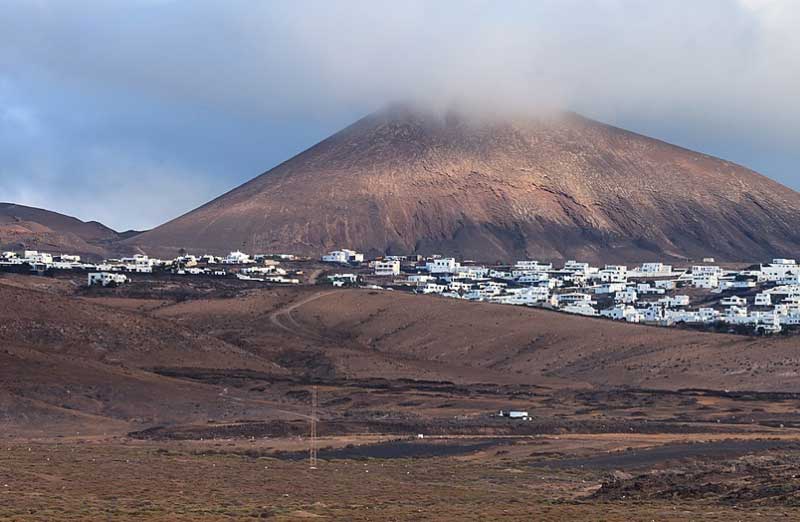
32 228
558 186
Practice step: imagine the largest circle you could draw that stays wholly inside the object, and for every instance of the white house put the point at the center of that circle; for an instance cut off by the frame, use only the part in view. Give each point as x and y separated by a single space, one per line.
779 269
645 288
139 263
665 284
530 295
501 274
472 272
387 267
651 270
459 286
106 278
578 267
187 260
622 312
483 294
627 296
609 288
763 299
614 274
420 278
343 279
513 414
728 284
708 315
236 258
580 308
343 256
674 301
705 280
706 269
264 270
533 277
33 256
733 300
432 288
573 298
532 266
736 315
652 313
442 265
209 259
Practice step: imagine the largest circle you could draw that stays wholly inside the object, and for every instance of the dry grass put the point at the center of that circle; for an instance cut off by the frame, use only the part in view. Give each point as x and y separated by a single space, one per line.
126 482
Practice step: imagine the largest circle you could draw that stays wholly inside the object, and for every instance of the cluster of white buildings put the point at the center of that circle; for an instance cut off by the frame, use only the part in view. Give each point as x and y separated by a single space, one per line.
262 268
763 298
42 261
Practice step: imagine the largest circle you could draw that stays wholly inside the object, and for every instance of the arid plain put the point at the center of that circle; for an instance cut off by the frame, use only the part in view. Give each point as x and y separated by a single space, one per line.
189 399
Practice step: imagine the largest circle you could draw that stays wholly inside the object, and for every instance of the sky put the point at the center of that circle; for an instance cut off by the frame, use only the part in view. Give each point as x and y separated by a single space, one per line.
134 112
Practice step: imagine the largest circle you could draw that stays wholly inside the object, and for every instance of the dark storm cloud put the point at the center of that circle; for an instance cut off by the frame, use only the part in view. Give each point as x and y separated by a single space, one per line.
133 112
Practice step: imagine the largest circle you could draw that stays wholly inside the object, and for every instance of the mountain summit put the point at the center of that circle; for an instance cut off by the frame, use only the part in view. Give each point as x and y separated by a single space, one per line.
559 186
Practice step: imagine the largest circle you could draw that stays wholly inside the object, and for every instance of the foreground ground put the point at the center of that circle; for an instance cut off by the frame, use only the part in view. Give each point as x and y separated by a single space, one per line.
174 400
612 477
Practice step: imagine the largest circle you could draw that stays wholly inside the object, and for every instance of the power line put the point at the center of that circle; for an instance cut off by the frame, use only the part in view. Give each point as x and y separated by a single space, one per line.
312 451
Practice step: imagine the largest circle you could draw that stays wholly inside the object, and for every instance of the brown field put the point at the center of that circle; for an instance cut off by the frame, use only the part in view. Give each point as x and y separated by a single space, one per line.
189 399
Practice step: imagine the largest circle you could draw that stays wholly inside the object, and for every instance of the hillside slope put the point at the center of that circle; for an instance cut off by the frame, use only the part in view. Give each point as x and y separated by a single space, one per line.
554 187
67 365
535 345
363 333
30 228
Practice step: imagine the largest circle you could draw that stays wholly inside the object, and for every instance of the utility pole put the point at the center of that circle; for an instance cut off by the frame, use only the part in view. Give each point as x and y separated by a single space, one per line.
312 452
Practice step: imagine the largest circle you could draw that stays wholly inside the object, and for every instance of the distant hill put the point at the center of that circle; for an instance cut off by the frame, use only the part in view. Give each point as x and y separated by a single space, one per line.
68 365
32 228
555 187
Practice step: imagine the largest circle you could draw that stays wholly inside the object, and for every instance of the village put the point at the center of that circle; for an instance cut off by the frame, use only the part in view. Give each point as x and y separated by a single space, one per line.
757 299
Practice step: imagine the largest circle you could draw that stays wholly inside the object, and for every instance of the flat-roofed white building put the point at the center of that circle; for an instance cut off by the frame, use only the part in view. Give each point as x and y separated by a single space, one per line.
34 256
533 266
343 256
573 298
387 267
674 301
236 258
420 278
610 288
626 296
442 265
580 308
614 274
705 280
432 288
763 299
530 295
651 270
622 312
139 263
106 278
578 267
733 300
